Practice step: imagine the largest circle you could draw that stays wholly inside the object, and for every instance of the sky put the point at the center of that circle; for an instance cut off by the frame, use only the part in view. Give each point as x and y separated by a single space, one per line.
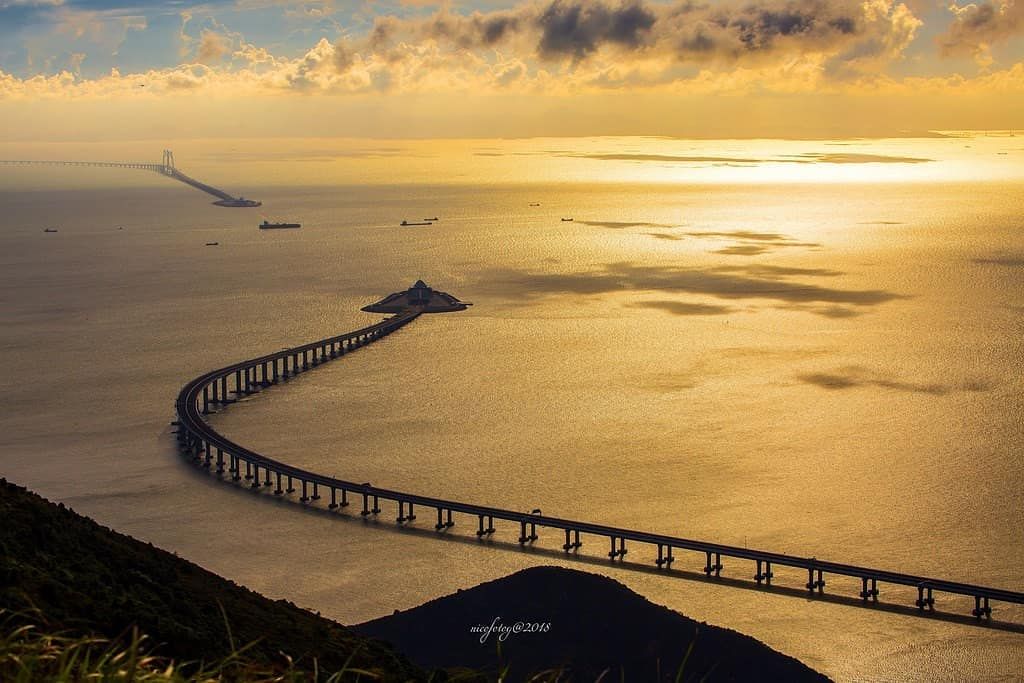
115 69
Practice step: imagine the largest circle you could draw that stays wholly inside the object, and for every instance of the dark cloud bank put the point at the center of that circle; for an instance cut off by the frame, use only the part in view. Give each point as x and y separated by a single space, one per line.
857 377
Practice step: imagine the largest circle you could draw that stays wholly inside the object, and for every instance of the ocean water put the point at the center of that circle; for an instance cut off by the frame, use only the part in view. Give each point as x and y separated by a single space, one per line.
820 358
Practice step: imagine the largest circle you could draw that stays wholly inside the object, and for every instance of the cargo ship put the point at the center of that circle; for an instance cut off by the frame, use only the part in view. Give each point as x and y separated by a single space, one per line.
267 225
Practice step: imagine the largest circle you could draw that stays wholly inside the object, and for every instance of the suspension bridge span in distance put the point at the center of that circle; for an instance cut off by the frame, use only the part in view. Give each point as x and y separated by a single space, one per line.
166 167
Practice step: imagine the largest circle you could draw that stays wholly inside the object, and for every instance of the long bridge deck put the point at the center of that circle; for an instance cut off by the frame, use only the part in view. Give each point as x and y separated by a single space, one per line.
209 448
166 167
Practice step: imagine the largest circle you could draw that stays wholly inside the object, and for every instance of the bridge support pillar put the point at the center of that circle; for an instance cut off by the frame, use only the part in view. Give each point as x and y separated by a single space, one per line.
291 487
868 593
981 610
402 517
304 498
664 560
523 538
206 400
620 552
256 477
278 491
713 568
334 499
924 601
448 523
815 584
220 461
366 505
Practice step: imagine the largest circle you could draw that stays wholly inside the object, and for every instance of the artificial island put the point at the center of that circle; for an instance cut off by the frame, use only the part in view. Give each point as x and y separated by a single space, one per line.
420 297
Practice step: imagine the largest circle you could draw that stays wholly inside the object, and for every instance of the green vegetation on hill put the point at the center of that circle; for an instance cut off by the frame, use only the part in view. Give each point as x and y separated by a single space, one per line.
88 580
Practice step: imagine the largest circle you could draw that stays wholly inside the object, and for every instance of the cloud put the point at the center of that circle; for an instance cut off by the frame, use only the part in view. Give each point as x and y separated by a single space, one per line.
744 235
840 158
753 243
660 158
1007 261
561 47
685 307
854 377
734 283
805 158
976 26
619 225
605 44
213 47
75 61
577 29
744 250
750 242
4 4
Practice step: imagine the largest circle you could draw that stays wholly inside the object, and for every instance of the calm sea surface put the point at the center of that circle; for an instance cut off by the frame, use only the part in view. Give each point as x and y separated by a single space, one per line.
831 369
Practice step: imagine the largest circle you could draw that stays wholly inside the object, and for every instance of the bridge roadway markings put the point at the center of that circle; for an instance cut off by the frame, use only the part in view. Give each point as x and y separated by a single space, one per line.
201 441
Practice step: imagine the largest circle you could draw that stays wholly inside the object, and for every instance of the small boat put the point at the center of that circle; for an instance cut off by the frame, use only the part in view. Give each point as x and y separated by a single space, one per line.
50 230
566 220
267 225
212 244
408 223
431 219
535 204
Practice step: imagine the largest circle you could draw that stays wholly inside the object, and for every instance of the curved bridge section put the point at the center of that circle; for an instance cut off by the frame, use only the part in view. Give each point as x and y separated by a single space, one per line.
211 450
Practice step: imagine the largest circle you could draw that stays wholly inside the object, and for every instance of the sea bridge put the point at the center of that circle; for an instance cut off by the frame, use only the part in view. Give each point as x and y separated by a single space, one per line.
166 167
211 450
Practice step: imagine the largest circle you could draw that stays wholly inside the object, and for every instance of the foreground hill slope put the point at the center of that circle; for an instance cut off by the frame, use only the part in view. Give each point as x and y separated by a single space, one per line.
596 623
86 578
